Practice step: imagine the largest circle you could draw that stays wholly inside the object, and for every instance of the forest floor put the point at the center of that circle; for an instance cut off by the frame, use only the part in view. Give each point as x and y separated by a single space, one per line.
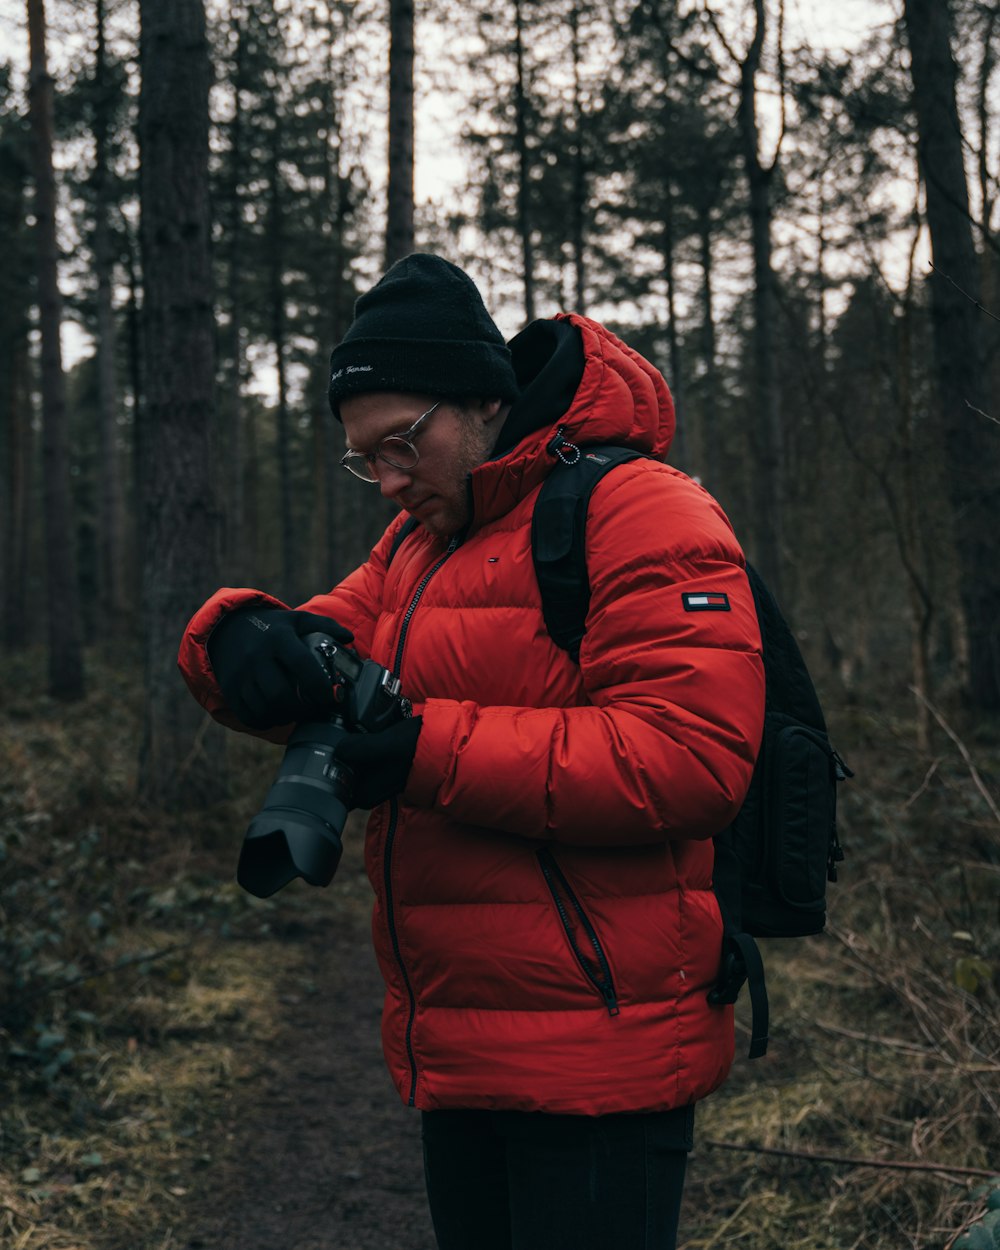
188 1068
311 1149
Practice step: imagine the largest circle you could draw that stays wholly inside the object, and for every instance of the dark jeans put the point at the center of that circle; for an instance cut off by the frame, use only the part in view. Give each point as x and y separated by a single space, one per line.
511 1180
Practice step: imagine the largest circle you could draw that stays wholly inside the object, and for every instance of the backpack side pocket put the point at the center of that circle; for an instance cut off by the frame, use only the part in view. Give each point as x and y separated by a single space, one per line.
801 825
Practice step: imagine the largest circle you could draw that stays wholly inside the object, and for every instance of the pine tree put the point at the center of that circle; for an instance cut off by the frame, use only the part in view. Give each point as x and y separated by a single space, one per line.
971 446
399 218
66 678
180 763
15 380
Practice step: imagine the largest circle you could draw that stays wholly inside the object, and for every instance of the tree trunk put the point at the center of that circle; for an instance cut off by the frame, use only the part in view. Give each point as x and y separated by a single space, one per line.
822 321
16 405
278 315
987 183
16 298
971 443
134 340
399 223
251 486
679 450
765 425
111 563
236 555
181 762
63 594
708 425
335 537
523 161
906 522
580 195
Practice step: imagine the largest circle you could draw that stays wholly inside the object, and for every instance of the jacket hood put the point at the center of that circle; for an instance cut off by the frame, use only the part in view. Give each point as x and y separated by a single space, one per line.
579 379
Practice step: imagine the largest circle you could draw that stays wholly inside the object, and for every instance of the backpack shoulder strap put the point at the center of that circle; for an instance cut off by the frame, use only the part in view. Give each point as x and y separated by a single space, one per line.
558 540
558 544
741 959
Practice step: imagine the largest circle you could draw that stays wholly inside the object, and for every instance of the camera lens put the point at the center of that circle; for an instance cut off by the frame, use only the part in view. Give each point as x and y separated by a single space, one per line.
297 832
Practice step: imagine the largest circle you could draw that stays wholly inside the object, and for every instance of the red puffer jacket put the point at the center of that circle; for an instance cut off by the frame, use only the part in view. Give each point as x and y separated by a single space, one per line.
544 917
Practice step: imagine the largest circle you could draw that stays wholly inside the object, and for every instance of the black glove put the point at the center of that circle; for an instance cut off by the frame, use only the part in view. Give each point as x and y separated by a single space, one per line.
267 674
381 761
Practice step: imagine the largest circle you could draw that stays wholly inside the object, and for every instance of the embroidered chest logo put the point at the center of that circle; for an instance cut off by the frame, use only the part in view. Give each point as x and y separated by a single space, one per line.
706 601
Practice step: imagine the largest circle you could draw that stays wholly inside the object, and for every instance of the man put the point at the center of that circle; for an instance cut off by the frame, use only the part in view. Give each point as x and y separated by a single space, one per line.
540 840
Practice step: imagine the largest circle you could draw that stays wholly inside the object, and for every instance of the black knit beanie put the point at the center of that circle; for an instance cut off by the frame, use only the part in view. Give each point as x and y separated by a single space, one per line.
422 328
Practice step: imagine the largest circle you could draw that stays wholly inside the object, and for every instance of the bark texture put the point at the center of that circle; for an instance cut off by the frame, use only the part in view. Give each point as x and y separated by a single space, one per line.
399 224
66 679
766 428
971 442
112 504
181 756
523 165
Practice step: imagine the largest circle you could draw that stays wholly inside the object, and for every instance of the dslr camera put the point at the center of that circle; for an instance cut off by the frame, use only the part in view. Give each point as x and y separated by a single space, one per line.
297 832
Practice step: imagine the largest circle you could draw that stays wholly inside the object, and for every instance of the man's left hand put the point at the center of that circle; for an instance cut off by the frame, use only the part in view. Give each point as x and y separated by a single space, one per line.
381 761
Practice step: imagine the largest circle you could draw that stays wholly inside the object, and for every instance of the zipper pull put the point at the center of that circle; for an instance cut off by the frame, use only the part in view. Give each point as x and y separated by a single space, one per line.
561 447
835 855
841 771
610 1001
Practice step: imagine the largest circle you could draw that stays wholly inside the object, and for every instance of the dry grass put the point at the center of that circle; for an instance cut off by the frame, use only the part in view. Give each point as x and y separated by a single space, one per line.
135 986
104 1153
144 1015
885 1034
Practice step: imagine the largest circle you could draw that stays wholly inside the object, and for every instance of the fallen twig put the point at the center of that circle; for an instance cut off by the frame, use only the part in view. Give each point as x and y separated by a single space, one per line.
130 961
979 412
923 785
979 1211
891 1043
963 751
900 1165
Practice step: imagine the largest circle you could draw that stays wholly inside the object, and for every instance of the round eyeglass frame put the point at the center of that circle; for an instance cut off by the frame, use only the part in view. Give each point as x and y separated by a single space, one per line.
396 450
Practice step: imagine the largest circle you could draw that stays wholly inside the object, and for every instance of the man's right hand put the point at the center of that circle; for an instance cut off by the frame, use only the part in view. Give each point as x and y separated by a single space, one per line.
267 674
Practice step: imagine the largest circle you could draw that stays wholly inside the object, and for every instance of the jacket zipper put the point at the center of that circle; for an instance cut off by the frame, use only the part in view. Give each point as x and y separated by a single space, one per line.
390 836
562 895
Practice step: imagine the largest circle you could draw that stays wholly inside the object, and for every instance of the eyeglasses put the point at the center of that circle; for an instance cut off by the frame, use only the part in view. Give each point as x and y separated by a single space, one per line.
396 450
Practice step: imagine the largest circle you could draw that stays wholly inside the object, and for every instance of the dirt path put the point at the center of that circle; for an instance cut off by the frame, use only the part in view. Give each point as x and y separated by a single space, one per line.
317 1152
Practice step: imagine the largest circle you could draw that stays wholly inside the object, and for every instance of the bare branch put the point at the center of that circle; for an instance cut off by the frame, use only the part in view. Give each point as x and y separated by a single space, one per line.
923 785
942 1169
970 298
963 751
979 412
781 82
714 23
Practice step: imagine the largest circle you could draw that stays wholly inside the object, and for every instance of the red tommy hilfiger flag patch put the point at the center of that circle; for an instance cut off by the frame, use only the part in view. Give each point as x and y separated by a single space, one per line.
706 601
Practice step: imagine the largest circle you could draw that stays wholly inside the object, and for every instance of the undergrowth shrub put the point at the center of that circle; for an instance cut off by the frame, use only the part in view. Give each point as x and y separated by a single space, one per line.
96 890
120 990
885 1030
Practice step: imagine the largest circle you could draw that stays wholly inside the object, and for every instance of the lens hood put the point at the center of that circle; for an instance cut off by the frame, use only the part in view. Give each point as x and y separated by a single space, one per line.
280 846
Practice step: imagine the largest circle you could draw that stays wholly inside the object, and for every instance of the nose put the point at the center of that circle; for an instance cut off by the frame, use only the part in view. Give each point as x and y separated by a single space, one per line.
391 480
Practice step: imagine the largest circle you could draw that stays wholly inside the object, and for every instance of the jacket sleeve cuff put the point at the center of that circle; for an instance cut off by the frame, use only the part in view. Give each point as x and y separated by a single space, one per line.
192 657
435 746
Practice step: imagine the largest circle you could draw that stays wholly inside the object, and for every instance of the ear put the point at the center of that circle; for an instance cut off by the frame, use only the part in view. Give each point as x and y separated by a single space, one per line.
490 409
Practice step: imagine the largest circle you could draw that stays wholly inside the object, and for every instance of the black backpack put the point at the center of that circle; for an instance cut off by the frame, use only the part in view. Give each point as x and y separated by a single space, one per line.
773 862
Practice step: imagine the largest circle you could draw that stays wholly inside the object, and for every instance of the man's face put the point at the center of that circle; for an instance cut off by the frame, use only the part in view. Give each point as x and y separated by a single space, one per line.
451 443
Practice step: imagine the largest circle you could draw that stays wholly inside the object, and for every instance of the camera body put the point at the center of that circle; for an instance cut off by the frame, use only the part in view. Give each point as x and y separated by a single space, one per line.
297 832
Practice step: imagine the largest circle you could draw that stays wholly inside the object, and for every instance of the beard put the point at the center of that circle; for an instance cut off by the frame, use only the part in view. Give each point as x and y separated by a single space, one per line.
448 509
